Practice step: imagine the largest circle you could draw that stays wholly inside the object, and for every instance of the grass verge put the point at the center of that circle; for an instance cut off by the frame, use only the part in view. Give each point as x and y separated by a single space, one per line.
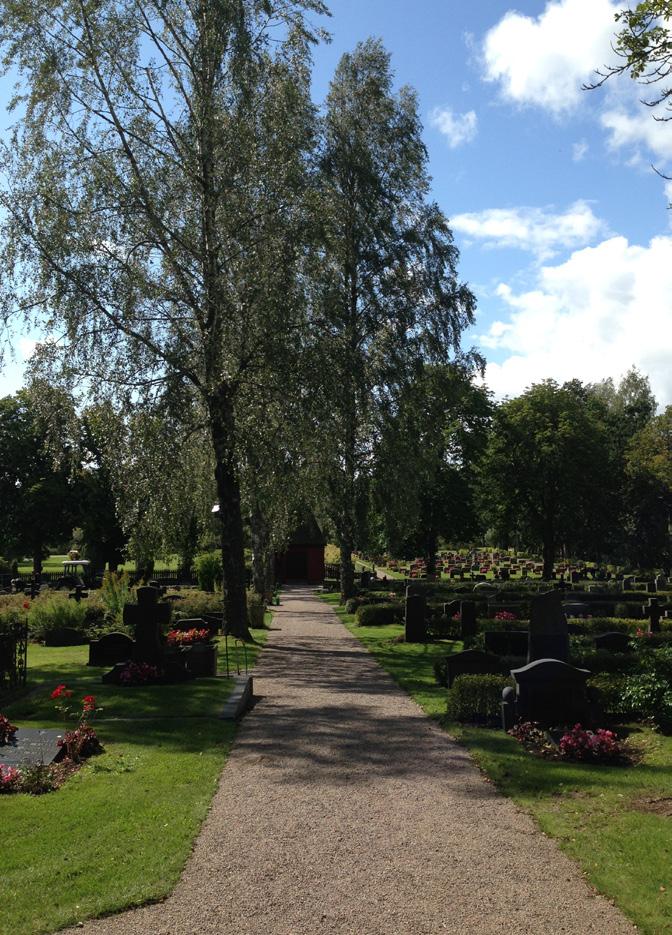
615 822
119 832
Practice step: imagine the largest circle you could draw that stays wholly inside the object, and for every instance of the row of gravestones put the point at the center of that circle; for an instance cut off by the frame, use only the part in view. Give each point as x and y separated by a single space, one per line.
548 689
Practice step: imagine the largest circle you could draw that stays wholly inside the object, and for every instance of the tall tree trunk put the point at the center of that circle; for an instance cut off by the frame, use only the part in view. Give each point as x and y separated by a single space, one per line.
230 517
37 560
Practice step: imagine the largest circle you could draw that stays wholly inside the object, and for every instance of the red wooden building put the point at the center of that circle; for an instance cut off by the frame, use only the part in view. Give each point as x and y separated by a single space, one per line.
303 560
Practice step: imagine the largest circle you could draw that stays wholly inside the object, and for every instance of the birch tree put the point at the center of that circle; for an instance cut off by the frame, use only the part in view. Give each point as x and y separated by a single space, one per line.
150 201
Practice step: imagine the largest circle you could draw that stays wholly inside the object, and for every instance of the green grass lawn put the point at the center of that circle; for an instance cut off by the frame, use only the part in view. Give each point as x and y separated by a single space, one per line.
598 815
55 563
119 832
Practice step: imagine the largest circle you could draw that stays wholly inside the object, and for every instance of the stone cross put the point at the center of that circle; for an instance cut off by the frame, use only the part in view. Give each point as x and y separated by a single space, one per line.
147 617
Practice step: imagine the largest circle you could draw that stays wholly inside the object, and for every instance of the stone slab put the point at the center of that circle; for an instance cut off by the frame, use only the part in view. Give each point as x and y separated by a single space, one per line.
240 698
31 746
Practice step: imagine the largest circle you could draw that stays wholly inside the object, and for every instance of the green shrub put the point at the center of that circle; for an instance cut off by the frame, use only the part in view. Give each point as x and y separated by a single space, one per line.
208 566
55 612
649 695
476 699
195 604
611 687
5 566
115 593
378 615
256 608
600 660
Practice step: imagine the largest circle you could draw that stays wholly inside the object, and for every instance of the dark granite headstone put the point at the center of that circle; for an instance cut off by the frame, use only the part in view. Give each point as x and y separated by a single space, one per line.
628 582
662 583
451 608
31 746
506 642
613 642
547 691
467 620
548 637
471 662
110 649
64 636
415 617
575 609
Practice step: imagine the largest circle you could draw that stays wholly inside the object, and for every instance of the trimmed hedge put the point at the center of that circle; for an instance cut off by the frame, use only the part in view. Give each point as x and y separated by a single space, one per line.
378 615
476 699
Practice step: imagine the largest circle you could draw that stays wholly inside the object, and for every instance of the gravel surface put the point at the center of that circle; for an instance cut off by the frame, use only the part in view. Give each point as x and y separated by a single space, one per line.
343 809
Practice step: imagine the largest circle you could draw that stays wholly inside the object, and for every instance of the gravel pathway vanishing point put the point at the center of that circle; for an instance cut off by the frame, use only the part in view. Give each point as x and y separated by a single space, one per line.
343 809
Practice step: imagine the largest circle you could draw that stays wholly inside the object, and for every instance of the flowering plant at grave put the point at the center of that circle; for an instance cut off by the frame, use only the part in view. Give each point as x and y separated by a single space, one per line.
187 637
456 617
534 738
505 615
7 730
82 741
138 673
643 634
600 746
10 779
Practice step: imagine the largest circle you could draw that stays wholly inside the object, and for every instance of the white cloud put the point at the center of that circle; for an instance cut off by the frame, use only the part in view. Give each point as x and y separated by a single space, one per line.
604 310
457 128
579 150
637 128
542 232
544 61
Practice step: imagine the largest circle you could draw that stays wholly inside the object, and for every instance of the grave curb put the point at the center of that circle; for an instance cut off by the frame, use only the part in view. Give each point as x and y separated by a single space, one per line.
240 699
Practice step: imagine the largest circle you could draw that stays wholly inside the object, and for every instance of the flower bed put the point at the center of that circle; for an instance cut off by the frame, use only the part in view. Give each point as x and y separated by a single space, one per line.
600 746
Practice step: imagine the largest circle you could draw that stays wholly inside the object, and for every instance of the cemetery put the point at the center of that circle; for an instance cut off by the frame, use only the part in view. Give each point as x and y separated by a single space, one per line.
315 618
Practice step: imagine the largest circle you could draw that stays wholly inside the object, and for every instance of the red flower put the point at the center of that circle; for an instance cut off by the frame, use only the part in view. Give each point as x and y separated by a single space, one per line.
26 605
61 691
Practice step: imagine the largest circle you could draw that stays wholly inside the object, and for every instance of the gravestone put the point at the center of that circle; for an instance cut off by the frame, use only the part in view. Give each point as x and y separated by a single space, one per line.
64 636
628 582
548 637
661 583
506 642
147 618
415 618
653 611
547 691
575 609
504 574
110 649
575 577
31 746
471 662
613 642
468 624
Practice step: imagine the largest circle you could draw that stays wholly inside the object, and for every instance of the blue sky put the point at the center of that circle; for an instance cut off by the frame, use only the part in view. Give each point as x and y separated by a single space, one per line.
562 225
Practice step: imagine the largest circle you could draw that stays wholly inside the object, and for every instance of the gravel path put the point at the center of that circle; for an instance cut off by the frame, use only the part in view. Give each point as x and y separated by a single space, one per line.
343 809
